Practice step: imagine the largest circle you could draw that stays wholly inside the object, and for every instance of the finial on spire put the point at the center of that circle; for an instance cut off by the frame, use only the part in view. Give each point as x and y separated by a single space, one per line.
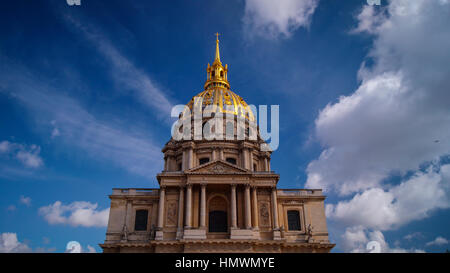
217 47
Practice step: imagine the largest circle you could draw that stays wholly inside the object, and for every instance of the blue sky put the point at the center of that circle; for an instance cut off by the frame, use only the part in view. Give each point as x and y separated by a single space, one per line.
86 91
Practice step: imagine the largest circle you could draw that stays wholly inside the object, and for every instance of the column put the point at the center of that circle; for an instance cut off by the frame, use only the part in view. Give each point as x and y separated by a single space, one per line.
244 158
190 158
203 207
221 154
255 208
188 206
183 161
214 154
266 167
162 197
251 161
248 215
180 208
128 213
168 163
275 208
233 206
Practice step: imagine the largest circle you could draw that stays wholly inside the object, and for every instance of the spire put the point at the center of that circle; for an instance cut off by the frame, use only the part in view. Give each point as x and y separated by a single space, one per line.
217 58
216 74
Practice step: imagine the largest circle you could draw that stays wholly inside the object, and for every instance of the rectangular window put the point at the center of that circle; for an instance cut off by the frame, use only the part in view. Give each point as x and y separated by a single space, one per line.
293 220
231 160
203 160
141 220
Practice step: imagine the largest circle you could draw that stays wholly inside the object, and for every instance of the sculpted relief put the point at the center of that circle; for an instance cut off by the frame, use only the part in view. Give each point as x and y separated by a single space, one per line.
217 169
172 213
264 214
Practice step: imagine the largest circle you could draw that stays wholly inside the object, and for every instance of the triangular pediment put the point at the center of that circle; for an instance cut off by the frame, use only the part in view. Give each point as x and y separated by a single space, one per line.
217 167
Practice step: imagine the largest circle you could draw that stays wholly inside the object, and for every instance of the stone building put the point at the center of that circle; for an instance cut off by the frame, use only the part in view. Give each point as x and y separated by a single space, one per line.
217 195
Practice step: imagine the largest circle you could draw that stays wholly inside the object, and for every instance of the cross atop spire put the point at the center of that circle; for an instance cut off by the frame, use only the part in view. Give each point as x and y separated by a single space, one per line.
217 58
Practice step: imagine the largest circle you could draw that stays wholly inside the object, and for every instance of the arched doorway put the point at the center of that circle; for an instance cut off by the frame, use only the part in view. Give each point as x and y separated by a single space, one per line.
218 216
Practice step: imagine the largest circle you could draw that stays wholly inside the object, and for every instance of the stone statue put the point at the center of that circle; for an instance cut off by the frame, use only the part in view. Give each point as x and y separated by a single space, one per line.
309 232
125 233
152 232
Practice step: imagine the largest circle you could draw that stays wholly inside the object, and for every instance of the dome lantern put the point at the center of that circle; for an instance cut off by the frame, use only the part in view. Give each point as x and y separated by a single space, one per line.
217 73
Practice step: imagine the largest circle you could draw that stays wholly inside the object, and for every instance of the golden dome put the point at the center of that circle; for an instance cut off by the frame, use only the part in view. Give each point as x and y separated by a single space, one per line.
218 95
224 101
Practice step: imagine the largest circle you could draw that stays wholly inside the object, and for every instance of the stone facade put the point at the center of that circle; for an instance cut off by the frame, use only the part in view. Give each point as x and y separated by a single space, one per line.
217 196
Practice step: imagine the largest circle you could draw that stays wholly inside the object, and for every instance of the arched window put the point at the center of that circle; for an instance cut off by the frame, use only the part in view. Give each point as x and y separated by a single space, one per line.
140 222
179 166
231 160
254 168
293 220
203 160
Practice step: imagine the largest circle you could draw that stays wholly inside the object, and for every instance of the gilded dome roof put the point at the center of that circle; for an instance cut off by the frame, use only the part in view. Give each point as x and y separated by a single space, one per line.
224 101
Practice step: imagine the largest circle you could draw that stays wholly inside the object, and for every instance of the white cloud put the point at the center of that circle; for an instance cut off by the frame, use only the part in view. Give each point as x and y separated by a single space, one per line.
31 157
381 209
356 239
396 122
55 131
79 213
399 117
369 20
10 244
438 242
90 249
28 155
413 235
25 200
44 250
106 140
124 72
4 146
273 19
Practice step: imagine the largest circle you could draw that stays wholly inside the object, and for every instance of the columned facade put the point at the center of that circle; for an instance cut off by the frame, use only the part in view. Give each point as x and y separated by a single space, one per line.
217 194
